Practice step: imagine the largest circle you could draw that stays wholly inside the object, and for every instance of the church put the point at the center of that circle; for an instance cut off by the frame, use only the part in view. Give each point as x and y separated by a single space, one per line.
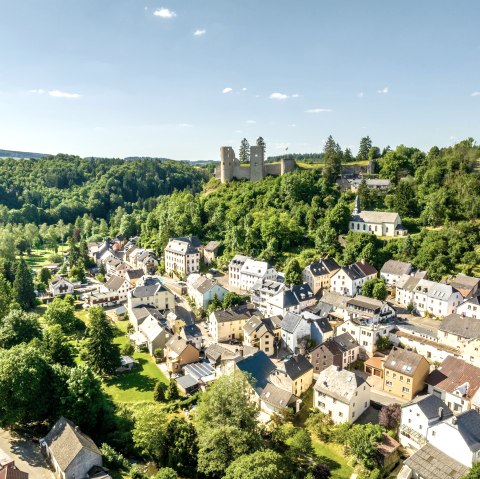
379 223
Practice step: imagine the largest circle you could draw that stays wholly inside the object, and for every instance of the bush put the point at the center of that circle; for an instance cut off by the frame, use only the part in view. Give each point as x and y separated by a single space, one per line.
127 349
113 458
136 472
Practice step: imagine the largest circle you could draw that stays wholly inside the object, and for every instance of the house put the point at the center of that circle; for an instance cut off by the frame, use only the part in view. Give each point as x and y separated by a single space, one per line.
70 452
192 334
379 223
431 463
291 300
178 353
393 270
244 272
463 334
320 328
378 184
127 363
133 275
343 395
294 375
418 416
60 286
228 324
404 373
274 399
459 436
263 291
348 280
140 313
150 292
210 252
470 307
203 290
363 308
339 351
187 384
388 453
295 331
457 383
468 286
120 286
146 260
318 274
263 333
114 265
182 255
154 333
331 304
8 469
428 297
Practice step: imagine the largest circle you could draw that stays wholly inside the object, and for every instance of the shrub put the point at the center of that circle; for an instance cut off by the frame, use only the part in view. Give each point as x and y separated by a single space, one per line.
113 458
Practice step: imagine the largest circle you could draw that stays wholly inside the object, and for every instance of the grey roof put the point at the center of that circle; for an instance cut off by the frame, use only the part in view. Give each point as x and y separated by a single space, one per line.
258 367
239 260
297 366
199 370
212 245
192 331
276 397
177 344
323 267
365 303
302 292
65 442
345 341
322 309
184 245
338 383
335 299
291 321
468 425
396 267
462 281
235 313
187 381
461 326
408 283
150 287
375 217
430 406
267 285
203 284
215 352
403 361
431 463
359 270
114 283
134 273
142 312
323 325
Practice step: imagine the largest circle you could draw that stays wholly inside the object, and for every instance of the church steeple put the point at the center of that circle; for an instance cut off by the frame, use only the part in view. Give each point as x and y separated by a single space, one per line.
357 208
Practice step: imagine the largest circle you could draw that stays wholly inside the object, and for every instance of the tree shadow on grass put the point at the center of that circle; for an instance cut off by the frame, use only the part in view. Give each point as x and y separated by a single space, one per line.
332 465
134 379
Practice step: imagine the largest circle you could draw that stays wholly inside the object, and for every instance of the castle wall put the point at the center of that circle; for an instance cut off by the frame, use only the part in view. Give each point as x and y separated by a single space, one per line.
256 163
287 165
227 163
273 169
241 172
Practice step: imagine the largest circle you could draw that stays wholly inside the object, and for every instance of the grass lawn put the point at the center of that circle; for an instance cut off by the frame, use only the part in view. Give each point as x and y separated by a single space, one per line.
333 456
136 385
39 257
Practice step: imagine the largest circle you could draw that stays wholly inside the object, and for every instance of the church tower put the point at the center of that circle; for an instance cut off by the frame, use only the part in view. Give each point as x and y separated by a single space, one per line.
357 209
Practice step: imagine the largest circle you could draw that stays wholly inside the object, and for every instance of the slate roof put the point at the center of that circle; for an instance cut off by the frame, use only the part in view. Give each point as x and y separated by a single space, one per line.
192 331
408 283
359 270
238 260
114 283
365 303
468 425
454 374
323 325
345 341
375 217
396 267
430 405
338 383
431 463
142 312
150 287
335 299
151 328
254 267
461 326
203 284
177 345
302 292
183 245
134 274
403 361
235 313
297 366
258 367
212 246
187 381
291 321
276 397
256 322
323 267
65 442
215 351
268 286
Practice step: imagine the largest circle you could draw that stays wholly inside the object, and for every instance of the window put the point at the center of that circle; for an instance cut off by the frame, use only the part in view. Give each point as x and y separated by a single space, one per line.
405 390
340 414
321 404
389 383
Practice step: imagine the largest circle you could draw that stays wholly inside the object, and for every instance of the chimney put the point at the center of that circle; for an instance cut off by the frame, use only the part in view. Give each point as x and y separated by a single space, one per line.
440 412
454 420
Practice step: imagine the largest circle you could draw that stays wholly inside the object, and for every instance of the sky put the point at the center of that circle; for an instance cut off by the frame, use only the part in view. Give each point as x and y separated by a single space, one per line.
180 78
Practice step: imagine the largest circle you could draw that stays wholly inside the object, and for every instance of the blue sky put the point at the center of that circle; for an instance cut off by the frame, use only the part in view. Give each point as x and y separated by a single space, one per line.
180 78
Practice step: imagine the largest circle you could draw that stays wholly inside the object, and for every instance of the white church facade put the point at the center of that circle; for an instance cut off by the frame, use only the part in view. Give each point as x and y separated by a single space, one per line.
379 223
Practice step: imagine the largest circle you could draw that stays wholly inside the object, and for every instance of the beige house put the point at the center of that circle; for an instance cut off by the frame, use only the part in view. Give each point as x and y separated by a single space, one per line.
150 292
182 255
210 252
404 373
294 375
379 223
228 324
318 274
263 333
178 353
119 285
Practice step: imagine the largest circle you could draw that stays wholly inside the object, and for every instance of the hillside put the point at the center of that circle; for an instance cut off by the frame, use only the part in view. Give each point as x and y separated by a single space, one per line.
20 154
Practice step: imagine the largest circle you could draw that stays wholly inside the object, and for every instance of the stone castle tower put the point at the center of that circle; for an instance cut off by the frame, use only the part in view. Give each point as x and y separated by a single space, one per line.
230 167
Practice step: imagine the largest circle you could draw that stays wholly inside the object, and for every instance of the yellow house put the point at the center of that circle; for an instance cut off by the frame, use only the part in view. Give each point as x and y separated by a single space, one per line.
263 333
178 353
294 375
228 324
404 373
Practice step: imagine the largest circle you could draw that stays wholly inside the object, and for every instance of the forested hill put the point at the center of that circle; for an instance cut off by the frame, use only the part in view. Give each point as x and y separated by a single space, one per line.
63 187
20 154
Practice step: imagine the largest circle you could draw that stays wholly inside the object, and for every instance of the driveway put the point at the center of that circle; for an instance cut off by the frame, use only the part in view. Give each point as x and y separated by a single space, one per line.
26 454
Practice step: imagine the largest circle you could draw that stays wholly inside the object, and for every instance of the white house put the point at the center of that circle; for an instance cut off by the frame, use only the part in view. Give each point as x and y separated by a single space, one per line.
154 333
292 300
349 279
343 395
263 291
182 255
379 223
151 292
60 286
119 285
437 299
295 328
244 272
418 416
393 270
470 307
202 290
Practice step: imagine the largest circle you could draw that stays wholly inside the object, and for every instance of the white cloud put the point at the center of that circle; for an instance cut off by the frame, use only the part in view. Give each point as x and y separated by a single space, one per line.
37 90
199 33
164 13
319 110
227 90
251 122
63 94
278 96
475 93
244 89
360 94
145 8
383 90
295 95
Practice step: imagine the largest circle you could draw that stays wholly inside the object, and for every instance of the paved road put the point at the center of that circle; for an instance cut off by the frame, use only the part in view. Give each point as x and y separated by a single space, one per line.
184 311
27 455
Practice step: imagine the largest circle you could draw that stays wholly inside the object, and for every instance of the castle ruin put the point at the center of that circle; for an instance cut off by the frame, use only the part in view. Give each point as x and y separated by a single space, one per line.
230 167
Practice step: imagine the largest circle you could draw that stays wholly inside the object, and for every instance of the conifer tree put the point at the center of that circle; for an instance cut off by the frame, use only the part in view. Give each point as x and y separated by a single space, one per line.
244 153
332 154
23 290
261 142
365 145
